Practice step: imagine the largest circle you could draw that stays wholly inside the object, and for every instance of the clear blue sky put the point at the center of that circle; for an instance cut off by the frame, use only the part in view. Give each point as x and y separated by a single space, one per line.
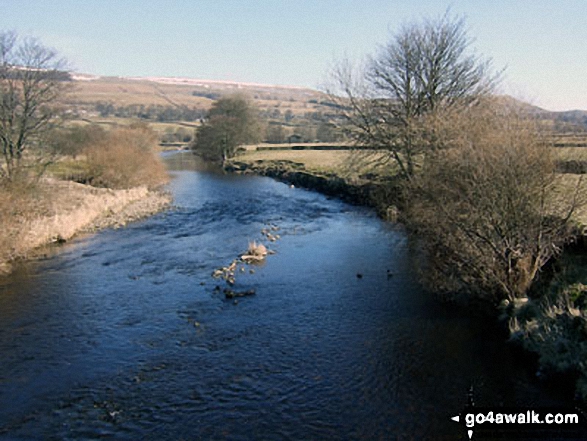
543 44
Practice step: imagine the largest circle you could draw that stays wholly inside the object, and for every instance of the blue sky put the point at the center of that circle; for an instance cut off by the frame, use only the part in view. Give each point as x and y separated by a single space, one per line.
542 44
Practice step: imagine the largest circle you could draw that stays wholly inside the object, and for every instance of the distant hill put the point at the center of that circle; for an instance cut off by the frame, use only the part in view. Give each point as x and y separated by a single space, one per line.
118 91
573 117
286 110
163 99
568 120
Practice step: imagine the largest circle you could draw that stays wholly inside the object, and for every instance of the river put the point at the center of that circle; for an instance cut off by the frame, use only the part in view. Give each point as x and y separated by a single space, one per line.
124 335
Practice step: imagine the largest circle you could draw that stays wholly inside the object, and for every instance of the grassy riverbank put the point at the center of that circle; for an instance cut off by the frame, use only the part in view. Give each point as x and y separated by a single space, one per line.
123 167
359 169
342 173
56 211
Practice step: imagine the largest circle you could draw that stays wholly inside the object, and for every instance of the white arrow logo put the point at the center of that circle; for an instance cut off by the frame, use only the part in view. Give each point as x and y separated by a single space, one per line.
456 419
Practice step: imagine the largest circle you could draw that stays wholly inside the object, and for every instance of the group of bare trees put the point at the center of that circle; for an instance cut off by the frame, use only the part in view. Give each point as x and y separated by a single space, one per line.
479 186
32 80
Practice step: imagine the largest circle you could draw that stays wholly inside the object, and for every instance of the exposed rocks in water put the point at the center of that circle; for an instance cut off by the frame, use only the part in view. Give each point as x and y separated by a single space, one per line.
230 294
268 233
255 253
59 240
227 272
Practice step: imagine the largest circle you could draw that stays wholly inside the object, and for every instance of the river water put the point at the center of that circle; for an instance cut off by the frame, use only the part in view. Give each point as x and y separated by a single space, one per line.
124 335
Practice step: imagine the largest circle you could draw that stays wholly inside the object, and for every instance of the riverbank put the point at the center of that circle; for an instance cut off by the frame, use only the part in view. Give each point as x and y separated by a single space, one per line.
64 209
372 190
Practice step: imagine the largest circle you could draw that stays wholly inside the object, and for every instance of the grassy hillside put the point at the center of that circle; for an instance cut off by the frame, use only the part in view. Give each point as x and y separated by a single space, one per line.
171 103
88 91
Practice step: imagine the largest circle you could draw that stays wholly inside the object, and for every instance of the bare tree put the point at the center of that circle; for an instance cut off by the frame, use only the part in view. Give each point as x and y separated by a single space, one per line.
426 67
488 206
32 79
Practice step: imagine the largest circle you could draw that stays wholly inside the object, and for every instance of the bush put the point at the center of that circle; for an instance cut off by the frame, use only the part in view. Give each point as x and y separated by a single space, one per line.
125 158
555 329
72 141
487 203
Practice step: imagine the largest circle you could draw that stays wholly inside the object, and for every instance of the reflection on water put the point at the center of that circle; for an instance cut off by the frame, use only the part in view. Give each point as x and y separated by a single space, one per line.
124 335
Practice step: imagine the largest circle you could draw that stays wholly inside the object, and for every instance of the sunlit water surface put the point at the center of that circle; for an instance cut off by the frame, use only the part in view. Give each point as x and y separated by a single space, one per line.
101 339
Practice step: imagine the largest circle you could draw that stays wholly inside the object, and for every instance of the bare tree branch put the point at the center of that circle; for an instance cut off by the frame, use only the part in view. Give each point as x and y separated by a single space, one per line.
32 79
426 67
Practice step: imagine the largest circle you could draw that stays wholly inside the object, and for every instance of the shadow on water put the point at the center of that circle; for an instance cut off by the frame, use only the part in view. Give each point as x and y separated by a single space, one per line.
124 334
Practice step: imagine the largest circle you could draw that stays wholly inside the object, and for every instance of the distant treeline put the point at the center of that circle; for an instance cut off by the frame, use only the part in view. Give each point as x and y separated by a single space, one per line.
10 72
162 113
337 106
570 120
152 113
210 95
276 115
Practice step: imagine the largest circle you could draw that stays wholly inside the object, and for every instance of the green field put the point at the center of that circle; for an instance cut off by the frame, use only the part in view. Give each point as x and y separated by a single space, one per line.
350 164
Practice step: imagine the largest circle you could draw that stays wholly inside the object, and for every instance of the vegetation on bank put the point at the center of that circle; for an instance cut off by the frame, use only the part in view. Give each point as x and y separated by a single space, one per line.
474 176
58 210
230 123
31 84
38 146
477 183
476 179
552 322
119 158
